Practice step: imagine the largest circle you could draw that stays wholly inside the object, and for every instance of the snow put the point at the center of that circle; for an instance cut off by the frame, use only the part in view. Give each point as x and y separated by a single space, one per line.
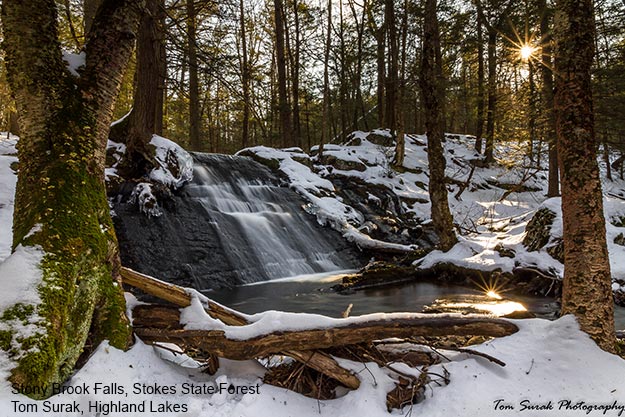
74 61
8 180
548 364
175 165
20 277
143 196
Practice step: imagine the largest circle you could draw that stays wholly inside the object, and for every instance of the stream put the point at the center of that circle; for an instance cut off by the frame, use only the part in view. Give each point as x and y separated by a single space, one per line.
313 294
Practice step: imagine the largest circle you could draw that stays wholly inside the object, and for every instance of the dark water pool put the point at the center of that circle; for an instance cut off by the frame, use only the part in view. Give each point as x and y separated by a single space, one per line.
312 294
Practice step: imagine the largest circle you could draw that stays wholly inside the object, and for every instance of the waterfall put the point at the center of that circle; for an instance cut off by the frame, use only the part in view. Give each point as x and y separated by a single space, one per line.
262 228
234 223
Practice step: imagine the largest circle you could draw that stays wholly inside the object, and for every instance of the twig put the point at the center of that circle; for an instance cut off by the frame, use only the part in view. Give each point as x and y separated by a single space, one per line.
483 355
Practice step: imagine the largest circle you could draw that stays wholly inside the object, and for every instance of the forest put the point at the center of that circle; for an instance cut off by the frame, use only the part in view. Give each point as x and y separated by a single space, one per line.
322 207
222 85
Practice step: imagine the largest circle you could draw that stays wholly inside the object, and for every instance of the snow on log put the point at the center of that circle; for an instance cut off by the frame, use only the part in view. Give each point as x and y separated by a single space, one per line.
217 342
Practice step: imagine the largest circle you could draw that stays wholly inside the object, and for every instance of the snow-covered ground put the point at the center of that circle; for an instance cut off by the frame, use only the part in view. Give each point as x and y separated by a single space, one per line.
552 366
488 216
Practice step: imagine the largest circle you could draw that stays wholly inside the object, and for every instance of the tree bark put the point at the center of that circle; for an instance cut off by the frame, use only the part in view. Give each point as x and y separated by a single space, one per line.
325 123
61 204
245 78
295 67
90 8
380 37
586 289
492 96
359 106
553 188
432 89
142 121
393 67
479 129
283 103
195 140
400 146
162 68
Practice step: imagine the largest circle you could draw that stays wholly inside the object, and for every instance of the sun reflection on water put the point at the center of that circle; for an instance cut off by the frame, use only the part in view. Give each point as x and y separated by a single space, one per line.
494 307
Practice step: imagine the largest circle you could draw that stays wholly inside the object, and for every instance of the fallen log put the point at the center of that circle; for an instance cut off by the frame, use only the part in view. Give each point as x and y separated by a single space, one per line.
350 333
318 361
216 341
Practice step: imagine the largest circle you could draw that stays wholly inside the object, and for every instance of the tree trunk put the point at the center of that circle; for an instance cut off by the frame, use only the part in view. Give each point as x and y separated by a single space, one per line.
13 123
393 67
380 36
586 289
553 188
531 113
61 210
194 87
400 146
343 334
297 130
139 158
162 68
283 103
432 88
479 130
245 78
492 96
343 74
325 123
359 106
320 361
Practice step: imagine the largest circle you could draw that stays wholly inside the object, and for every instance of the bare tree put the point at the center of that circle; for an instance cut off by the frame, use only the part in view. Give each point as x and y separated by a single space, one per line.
586 289
432 89
194 85
283 103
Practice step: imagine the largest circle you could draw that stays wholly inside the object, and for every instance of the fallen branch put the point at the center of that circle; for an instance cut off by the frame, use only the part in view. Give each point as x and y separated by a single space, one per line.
463 186
483 355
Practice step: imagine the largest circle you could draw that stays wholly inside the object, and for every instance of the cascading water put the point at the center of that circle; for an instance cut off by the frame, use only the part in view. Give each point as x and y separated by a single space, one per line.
232 224
263 230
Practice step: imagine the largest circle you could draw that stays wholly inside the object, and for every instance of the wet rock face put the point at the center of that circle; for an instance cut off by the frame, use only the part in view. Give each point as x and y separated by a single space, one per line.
234 223
385 217
538 235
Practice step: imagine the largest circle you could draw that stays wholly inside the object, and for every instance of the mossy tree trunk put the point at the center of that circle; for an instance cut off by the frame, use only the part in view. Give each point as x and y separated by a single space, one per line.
61 204
432 89
586 289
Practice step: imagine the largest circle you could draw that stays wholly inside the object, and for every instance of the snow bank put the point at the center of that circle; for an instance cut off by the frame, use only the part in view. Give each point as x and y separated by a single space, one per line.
546 363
